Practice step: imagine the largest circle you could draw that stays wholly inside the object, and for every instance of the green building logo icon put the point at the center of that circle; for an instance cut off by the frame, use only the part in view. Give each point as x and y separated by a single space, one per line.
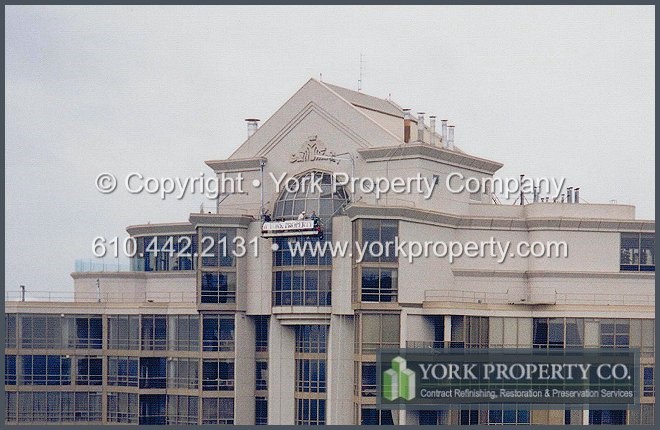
398 381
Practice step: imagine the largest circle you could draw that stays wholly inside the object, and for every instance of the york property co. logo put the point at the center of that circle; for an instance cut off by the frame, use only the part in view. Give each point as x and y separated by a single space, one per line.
399 381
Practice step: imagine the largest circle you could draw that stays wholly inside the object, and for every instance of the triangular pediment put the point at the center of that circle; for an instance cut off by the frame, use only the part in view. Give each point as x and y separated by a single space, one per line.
315 110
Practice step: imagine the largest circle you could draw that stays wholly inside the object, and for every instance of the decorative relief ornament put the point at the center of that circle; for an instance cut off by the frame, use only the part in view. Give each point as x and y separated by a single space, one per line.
310 150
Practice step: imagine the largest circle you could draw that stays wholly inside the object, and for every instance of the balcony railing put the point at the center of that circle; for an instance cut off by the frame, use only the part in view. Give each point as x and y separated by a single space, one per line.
83 266
537 298
103 297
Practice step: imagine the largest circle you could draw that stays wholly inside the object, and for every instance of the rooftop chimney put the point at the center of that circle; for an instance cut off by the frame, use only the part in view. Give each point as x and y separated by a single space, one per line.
420 126
432 121
444 133
576 195
450 137
252 125
406 125
569 195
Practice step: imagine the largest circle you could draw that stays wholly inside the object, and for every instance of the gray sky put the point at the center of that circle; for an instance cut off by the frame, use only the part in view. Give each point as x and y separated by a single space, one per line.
548 91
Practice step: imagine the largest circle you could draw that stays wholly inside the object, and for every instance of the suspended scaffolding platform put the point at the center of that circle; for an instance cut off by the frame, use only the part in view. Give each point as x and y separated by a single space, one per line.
306 227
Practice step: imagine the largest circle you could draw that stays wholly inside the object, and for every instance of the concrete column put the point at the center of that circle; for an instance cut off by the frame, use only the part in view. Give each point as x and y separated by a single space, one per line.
281 373
447 335
244 370
259 273
340 370
342 274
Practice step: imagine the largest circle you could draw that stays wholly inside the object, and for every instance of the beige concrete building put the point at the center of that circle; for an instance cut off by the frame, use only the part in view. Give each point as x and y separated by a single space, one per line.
217 324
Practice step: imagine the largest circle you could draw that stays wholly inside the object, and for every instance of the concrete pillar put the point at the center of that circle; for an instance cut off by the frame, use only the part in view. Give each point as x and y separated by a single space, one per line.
447 335
244 370
281 373
340 371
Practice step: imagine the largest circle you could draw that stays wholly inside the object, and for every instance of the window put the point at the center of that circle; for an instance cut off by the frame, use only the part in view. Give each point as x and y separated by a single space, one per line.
310 411
379 284
558 333
261 376
154 332
607 417
310 375
220 247
376 261
89 371
89 331
379 331
217 411
615 333
309 287
162 253
218 375
303 278
11 402
42 331
649 385
124 332
152 409
152 372
123 408
87 406
218 287
184 332
637 252
45 370
311 198
469 417
218 333
310 365
261 411
370 416
123 371
469 332
433 418
378 240
261 333
508 416
59 406
368 379
183 373
10 370
311 338
182 410
10 330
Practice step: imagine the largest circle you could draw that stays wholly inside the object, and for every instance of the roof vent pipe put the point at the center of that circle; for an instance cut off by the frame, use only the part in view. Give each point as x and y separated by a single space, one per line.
450 137
444 133
569 195
252 125
536 194
432 121
576 195
420 126
406 125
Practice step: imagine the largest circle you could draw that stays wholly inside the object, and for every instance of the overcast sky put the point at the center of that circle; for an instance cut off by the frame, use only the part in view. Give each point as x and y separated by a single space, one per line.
548 91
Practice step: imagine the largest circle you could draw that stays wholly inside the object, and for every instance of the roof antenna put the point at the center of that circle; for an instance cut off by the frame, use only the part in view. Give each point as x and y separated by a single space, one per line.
360 80
321 77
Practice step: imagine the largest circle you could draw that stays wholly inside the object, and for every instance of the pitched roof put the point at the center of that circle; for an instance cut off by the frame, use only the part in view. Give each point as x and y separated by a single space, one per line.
366 101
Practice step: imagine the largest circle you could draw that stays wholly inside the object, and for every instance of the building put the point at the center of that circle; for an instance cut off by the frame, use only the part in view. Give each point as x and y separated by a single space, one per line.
216 324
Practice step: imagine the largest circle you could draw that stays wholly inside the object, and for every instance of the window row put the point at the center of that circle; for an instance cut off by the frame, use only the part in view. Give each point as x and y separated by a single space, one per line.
124 408
54 331
302 288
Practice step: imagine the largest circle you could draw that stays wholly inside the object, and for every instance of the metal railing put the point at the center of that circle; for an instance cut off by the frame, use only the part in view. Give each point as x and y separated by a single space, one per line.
95 265
103 297
552 297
